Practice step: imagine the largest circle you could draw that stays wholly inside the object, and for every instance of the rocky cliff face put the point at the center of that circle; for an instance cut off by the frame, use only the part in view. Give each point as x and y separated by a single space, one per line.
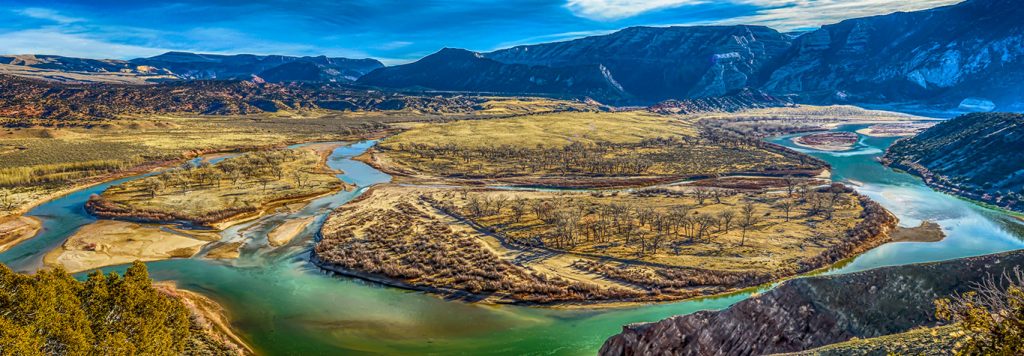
71 64
810 312
970 53
196 66
30 99
460 70
976 156
732 102
654 64
192 66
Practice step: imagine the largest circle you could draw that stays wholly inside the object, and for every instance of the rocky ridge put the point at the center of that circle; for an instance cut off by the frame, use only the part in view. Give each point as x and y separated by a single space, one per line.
810 312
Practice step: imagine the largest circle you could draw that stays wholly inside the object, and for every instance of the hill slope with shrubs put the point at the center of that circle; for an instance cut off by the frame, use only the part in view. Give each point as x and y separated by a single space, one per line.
974 155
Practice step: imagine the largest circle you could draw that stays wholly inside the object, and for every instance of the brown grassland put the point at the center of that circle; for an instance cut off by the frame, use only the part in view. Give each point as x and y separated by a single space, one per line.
44 158
216 195
579 149
653 244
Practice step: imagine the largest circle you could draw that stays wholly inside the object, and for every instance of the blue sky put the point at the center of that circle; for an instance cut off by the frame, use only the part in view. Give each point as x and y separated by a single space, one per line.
393 31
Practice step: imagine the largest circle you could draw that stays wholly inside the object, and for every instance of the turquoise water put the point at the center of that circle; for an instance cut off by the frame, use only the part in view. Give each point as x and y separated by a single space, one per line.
281 304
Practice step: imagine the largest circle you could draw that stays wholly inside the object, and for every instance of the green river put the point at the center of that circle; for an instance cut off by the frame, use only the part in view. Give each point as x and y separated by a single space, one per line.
281 304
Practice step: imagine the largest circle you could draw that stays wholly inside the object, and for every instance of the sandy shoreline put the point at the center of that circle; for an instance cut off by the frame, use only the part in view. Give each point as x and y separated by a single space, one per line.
210 315
895 129
109 243
832 141
928 231
287 231
15 229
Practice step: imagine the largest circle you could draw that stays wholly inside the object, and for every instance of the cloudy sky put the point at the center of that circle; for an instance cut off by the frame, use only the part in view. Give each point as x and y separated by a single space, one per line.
394 31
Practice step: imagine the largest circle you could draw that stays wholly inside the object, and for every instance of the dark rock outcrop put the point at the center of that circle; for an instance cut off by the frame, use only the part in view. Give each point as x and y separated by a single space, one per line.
742 99
972 50
968 56
461 70
196 66
33 99
811 312
976 156
193 66
654 64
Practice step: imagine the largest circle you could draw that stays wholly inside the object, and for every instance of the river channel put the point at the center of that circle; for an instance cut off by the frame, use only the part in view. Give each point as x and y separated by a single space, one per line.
282 304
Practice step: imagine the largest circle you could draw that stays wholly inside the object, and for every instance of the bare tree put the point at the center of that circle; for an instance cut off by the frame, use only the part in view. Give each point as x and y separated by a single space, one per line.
518 209
474 206
786 205
300 178
701 194
704 222
748 219
790 182
726 217
499 203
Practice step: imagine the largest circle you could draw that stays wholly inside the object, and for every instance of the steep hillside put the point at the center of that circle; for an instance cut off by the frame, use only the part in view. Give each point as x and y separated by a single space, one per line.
806 313
26 98
187 66
969 55
659 63
976 156
68 63
972 51
80 70
460 70
738 100
243 66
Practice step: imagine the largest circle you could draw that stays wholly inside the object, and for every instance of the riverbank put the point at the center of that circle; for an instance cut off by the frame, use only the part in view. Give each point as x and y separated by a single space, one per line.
367 239
811 312
896 129
232 191
109 243
284 305
211 320
943 184
15 229
827 141
287 231
928 231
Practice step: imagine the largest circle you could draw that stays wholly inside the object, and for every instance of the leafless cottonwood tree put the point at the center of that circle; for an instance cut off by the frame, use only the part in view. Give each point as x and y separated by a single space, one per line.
748 220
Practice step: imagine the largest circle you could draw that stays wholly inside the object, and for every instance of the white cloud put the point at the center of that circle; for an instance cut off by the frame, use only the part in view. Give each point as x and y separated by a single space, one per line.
787 15
393 45
782 14
604 10
47 14
50 41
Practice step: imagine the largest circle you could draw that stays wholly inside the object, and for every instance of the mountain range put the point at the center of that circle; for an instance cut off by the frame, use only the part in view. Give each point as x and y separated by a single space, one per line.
195 66
968 56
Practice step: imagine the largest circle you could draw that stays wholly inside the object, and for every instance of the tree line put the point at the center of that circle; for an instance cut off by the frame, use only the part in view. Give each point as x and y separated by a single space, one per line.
260 168
51 313
573 221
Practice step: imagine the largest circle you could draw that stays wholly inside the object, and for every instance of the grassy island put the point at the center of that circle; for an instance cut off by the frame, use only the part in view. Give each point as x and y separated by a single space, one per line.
217 195
651 244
